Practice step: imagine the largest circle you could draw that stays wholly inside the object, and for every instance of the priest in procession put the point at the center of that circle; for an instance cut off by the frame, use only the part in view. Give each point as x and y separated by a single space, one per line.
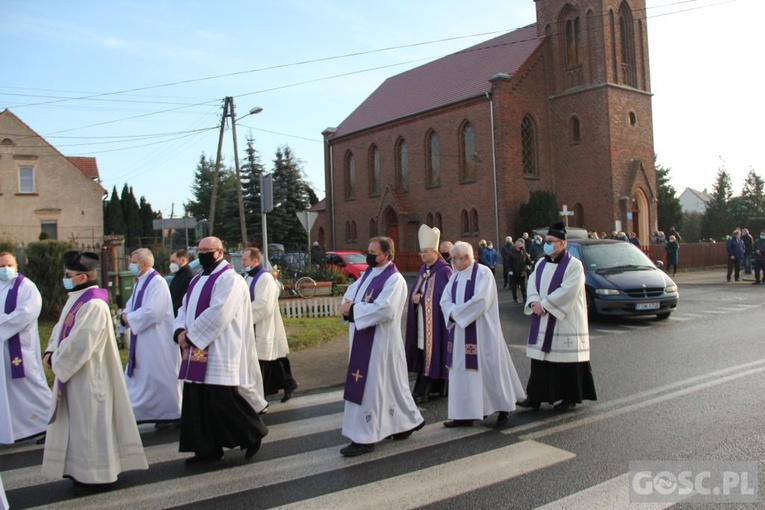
482 377
378 402
92 435
153 358
24 393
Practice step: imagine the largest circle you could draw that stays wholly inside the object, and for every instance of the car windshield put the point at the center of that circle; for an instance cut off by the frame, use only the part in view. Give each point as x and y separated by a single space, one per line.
614 256
355 258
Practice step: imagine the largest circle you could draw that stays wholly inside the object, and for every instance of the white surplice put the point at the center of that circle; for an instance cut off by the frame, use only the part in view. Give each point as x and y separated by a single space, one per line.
225 328
24 402
387 407
154 388
495 386
568 304
270 336
94 436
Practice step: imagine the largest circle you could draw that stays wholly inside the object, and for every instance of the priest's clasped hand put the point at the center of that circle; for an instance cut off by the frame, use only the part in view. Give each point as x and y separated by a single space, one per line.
536 307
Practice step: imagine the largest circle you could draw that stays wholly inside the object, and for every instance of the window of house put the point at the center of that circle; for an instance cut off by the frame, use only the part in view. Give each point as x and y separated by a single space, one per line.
574 133
474 222
528 147
439 223
26 179
353 231
49 228
633 118
350 176
374 171
434 160
348 237
402 165
573 42
372 228
465 221
429 220
469 156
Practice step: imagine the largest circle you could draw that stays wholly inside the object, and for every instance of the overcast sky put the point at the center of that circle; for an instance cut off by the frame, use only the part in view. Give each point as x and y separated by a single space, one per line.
154 74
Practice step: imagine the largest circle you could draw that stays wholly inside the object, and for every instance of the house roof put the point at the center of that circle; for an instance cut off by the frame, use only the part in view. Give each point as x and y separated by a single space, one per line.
701 195
456 77
87 166
319 206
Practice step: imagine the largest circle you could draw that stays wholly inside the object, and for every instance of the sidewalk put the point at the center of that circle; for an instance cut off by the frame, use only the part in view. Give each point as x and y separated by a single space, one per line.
324 367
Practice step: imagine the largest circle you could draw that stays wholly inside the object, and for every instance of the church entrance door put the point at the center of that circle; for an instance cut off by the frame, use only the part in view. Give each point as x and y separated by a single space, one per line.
391 227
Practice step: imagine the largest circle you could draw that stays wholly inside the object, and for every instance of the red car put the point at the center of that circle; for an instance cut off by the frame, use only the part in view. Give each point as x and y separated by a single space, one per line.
351 263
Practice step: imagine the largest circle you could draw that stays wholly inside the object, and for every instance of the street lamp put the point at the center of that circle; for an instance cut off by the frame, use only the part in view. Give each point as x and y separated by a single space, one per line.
242 223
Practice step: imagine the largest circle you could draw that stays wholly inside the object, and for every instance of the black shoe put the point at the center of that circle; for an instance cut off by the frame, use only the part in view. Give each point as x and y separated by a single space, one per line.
204 459
458 423
755 283
502 418
515 299
356 449
253 449
288 394
565 405
405 435
528 403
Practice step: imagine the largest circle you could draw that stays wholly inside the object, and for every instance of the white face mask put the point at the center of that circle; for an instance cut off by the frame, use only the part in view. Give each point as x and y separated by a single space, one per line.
7 273
174 267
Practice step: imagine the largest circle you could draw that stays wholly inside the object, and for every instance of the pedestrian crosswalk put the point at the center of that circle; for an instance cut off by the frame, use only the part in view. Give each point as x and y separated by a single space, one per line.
295 450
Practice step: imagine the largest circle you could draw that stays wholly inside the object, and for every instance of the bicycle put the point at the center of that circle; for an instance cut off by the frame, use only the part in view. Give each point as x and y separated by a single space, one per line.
302 286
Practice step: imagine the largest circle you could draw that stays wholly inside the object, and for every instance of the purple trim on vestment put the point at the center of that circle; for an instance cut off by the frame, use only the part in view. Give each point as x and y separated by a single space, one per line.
254 280
137 302
14 343
433 359
361 351
69 320
471 336
194 361
536 320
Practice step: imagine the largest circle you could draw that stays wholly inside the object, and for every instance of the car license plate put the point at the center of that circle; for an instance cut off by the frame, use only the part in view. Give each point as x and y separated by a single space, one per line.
647 306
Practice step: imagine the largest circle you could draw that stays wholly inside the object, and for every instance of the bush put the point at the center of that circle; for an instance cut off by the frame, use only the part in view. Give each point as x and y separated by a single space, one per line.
45 267
8 244
325 274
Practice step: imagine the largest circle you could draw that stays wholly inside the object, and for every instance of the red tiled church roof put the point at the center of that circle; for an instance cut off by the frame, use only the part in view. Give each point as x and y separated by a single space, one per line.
87 166
453 78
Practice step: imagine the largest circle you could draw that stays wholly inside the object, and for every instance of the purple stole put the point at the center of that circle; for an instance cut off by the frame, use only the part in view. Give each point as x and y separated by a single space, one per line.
14 343
361 352
254 281
471 337
69 320
194 361
137 302
536 320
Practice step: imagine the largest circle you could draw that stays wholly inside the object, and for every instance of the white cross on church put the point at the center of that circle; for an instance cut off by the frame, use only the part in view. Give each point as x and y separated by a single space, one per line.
566 213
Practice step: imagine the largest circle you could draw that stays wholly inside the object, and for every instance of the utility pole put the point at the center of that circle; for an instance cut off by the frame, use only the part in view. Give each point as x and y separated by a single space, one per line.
228 111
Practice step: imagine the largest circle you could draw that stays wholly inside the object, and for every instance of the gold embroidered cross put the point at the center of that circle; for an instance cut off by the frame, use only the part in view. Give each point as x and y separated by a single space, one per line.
16 361
357 375
368 296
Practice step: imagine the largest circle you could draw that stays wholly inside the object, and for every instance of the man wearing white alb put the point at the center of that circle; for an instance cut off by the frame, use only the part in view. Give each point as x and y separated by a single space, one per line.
378 402
153 358
24 393
482 378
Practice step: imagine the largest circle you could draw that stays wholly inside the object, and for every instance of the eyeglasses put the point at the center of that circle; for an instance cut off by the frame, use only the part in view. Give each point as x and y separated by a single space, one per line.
71 275
208 250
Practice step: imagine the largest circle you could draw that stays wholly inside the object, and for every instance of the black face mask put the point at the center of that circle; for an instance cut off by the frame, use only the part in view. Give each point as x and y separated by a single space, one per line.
372 260
207 259
445 255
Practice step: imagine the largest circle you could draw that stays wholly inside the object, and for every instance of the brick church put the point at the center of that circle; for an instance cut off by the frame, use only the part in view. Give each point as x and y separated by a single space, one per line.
562 105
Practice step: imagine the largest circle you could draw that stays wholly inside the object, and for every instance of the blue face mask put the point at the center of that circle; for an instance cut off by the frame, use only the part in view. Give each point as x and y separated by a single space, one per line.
548 249
133 268
194 264
68 284
7 273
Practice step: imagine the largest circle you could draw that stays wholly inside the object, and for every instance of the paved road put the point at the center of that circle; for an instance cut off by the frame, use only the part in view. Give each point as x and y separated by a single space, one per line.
690 387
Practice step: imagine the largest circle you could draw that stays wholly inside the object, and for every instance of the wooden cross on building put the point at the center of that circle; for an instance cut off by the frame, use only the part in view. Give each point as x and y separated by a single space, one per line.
566 213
